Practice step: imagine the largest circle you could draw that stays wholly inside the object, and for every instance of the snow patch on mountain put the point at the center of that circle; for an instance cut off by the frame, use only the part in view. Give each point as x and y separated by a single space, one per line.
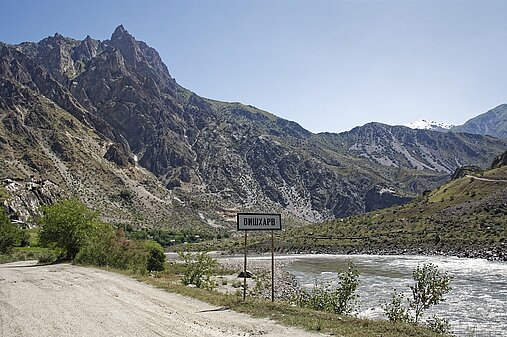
429 125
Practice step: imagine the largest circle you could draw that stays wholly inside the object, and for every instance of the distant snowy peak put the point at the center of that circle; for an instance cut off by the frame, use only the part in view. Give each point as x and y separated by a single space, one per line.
429 125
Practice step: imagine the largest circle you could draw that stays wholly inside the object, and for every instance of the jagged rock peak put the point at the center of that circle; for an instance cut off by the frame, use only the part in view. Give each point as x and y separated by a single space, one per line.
57 39
119 33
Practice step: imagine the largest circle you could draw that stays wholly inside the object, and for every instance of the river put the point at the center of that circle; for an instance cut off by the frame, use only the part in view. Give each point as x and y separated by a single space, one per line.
476 305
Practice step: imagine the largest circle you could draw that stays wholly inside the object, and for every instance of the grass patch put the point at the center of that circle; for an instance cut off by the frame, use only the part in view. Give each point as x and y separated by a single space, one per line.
24 254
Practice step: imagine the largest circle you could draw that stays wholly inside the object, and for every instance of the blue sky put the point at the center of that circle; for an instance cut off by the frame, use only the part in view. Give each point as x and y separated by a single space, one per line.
329 65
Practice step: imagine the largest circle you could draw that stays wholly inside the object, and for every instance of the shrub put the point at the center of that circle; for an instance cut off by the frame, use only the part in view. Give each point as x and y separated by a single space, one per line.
394 310
199 269
340 300
156 257
48 257
110 248
66 225
10 234
429 288
438 325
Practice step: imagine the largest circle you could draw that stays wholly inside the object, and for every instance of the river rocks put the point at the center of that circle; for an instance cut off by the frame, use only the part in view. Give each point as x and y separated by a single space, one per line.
493 254
260 284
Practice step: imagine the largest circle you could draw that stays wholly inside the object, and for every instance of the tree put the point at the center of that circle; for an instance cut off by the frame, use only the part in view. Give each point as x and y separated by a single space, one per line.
429 288
10 234
66 225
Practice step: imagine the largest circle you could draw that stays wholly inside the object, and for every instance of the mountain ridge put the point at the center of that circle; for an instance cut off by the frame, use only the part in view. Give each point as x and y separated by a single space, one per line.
492 123
134 128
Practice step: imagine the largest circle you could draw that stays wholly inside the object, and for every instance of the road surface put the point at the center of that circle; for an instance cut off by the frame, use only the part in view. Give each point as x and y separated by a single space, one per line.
486 179
67 300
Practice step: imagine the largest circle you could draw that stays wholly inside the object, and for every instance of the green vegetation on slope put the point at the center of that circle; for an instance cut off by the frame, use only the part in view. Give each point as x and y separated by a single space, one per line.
466 216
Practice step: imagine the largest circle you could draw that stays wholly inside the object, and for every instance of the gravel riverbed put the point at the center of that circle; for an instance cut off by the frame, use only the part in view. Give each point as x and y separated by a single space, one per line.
285 283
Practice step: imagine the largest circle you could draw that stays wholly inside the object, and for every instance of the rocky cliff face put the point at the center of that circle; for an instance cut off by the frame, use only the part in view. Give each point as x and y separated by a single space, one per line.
499 161
26 198
423 150
101 117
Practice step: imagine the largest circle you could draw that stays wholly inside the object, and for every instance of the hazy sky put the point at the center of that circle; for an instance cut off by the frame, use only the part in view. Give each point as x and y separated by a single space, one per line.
329 65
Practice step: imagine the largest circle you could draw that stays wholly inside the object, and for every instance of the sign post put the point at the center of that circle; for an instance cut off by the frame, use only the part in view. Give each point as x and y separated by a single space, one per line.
244 271
272 265
260 222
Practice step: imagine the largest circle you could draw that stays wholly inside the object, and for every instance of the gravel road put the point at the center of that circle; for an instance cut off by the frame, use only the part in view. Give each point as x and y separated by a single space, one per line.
67 300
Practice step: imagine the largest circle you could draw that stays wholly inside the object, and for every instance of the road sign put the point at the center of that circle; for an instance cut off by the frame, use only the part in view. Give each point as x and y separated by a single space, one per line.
259 222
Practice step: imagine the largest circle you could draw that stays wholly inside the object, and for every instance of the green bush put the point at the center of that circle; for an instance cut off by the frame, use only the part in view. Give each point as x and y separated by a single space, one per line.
66 225
10 234
340 300
48 257
395 310
107 247
438 325
110 248
429 288
156 257
199 269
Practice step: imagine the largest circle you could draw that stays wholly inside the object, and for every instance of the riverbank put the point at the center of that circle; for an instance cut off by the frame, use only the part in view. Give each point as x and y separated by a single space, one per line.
285 283
280 310
491 254
259 285
474 307
498 253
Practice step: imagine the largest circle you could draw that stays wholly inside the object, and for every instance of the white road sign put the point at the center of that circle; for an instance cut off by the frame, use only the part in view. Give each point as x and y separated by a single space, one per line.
259 221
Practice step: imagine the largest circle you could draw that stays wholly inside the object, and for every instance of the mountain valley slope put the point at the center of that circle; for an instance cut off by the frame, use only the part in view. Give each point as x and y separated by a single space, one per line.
106 122
464 217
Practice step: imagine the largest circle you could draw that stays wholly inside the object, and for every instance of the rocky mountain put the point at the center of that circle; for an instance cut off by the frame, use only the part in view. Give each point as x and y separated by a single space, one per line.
422 150
464 217
423 124
500 161
491 123
105 121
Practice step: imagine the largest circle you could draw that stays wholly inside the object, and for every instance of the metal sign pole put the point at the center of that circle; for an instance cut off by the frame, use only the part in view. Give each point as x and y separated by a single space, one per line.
272 266
244 271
